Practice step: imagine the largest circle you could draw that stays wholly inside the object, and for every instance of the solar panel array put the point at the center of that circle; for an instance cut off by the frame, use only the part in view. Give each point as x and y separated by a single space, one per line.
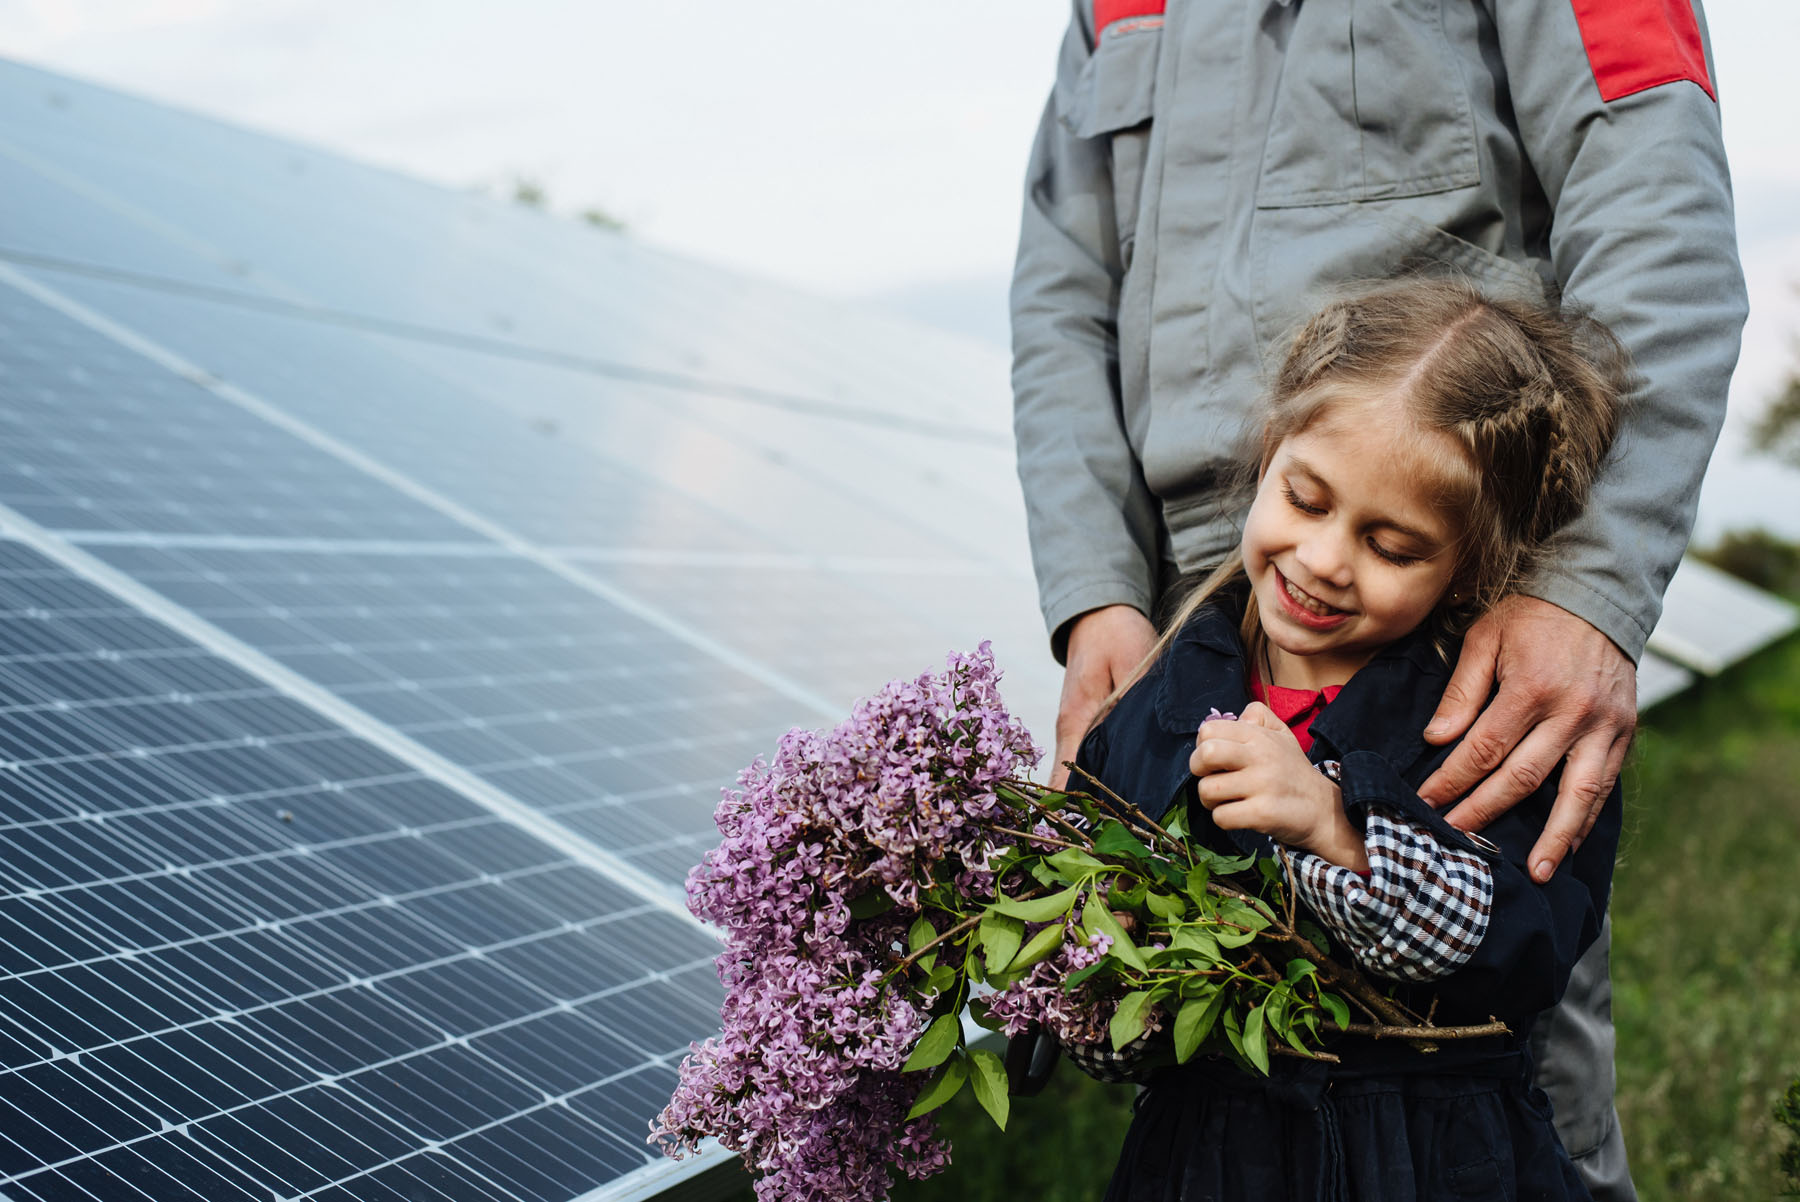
389 580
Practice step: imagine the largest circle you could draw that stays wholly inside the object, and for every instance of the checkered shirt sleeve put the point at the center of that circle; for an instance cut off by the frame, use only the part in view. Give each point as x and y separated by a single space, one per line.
1419 914
1136 1061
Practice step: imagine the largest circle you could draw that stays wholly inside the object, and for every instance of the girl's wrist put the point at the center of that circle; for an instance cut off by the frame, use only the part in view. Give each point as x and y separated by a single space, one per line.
1336 840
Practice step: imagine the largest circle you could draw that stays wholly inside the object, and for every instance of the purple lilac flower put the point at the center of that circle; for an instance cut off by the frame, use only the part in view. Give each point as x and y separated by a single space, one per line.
804 1079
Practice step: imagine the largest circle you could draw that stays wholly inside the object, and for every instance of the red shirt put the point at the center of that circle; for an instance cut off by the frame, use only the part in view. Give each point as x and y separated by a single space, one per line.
1296 707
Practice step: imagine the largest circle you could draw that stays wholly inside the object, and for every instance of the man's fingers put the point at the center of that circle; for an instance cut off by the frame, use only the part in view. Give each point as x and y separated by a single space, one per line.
1105 645
1469 686
1586 783
1490 741
1523 770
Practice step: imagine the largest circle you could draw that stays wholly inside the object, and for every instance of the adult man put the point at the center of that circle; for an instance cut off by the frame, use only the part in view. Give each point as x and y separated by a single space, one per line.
1203 173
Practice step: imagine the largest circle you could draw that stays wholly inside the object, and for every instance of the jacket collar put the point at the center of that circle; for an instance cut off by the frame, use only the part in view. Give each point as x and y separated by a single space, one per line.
1383 708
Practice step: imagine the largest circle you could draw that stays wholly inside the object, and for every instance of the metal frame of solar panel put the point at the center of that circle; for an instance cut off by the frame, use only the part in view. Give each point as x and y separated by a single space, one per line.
380 624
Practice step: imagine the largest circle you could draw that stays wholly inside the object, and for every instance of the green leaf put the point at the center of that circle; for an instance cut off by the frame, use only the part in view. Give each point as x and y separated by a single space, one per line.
1195 1021
1223 865
945 1084
1256 1041
1165 906
1271 871
1237 910
1115 839
942 977
919 934
1196 938
1100 921
1177 822
868 905
1234 1029
1039 909
1128 1020
1168 873
1040 947
935 1045
1232 937
1299 967
1197 878
988 1075
1081 974
1336 1007
1126 896
1072 861
1000 935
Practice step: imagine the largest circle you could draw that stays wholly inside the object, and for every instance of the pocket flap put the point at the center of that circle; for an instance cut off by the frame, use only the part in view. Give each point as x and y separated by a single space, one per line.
1117 87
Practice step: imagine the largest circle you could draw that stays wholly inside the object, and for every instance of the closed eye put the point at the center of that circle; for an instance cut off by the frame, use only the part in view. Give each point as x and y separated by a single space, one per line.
1293 498
1393 557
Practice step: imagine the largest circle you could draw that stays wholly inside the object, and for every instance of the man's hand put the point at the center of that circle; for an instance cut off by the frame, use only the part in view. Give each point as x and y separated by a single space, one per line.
1104 646
1566 692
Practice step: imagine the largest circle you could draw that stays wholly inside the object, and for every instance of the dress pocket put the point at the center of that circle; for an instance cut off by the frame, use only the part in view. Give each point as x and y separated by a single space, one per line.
1371 105
1114 97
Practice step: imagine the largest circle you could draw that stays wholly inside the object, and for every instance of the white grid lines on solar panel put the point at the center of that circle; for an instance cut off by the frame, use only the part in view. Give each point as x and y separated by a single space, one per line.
561 456
94 440
197 985
446 506
506 670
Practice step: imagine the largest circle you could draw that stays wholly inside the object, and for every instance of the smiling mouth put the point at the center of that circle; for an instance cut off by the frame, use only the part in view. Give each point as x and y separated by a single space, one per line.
1305 600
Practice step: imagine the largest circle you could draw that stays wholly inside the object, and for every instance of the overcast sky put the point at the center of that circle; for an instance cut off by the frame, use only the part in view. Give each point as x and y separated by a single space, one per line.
859 149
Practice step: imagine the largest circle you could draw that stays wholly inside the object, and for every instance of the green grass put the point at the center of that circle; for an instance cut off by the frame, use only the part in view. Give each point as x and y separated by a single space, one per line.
1706 971
1706 935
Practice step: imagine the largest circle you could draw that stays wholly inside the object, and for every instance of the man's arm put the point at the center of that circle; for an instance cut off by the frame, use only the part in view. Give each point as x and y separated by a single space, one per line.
1616 117
1092 519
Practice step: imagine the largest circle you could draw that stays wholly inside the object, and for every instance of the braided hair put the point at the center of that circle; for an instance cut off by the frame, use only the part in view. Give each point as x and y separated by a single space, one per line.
1531 394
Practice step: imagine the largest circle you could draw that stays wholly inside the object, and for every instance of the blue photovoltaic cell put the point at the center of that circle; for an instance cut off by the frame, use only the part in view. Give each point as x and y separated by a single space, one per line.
565 457
249 955
611 726
98 438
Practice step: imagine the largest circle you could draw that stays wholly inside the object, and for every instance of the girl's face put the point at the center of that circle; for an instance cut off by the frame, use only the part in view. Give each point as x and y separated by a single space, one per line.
1348 544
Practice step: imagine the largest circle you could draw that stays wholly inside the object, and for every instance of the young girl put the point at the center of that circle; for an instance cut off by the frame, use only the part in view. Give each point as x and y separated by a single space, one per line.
1422 444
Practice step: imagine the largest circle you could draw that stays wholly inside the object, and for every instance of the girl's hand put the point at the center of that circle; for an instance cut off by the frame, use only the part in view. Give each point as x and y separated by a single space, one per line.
1253 776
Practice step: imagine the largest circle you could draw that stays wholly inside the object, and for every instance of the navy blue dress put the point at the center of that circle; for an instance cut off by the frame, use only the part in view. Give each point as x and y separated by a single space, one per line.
1388 1124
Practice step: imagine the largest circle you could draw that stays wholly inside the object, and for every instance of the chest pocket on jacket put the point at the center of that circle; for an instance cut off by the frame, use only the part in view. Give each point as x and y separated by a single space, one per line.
1114 98
1371 104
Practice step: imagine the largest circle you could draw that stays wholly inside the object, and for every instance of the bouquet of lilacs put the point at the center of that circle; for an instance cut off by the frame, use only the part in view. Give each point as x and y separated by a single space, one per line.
877 881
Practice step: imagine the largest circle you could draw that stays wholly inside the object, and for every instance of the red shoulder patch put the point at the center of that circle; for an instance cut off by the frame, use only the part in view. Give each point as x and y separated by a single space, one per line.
1106 12
1634 45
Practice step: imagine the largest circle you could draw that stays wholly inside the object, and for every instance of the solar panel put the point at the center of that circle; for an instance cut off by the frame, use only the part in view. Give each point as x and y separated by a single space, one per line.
250 954
465 595
1713 620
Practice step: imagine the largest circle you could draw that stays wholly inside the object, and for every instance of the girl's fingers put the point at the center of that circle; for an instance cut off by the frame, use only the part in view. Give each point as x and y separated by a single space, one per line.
1214 754
1258 714
1221 787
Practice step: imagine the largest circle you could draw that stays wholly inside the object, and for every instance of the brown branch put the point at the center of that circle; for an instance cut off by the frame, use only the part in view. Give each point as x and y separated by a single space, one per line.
907 961
1382 1031
1123 810
1036 838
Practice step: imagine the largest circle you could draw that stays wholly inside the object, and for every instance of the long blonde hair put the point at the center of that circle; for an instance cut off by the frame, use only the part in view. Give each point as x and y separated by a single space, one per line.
1531 393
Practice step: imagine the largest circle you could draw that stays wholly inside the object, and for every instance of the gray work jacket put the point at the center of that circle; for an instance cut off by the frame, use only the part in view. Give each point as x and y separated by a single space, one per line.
1206 173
